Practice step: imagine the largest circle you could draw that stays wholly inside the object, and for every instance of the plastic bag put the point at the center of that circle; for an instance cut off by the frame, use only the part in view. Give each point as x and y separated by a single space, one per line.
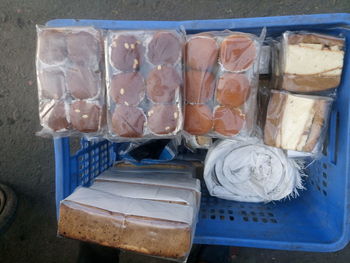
149 227
249 171
297 122
165 179
175 167
221 83
147 192
311 63
144 83
70 81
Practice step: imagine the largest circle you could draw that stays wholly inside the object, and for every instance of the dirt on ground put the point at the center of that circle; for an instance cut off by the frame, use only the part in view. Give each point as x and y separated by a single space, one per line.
27 161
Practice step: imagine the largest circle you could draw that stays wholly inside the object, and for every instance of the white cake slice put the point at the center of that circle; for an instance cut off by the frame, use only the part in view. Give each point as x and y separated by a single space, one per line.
310 62
295 122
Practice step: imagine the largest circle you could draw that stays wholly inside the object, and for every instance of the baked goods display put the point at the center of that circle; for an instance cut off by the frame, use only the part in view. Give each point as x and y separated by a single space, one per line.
126 53
82 82
164 48
162 84
228 121
53 84
53 115
198 119
70 81
200 86
85 116
139 74
127 88
128 121
296 122
156 218
202 52
144 71
238 52
221 73
310 62
232 89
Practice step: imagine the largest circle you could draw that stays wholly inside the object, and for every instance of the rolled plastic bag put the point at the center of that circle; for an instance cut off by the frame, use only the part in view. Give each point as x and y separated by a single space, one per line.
249 171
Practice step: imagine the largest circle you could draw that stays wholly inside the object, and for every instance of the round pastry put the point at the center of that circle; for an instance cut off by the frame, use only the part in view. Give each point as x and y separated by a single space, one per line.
54 116
85 116
163 119
128 121
126 53
52 84
162 83
198 119
228 121
232 90
82 83
200 86
83 49
52 46
127 88
237 52
201 52
164 48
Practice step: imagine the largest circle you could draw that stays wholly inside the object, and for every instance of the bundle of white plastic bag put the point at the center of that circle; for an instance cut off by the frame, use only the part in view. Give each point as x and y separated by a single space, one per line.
249 171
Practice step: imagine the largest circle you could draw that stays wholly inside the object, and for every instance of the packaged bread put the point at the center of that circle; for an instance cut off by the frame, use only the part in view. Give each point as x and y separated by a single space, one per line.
149 227
144 84
297 122
221 83
310 62
69 63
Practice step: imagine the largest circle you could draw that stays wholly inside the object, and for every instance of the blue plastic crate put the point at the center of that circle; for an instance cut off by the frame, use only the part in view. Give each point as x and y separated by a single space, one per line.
316 221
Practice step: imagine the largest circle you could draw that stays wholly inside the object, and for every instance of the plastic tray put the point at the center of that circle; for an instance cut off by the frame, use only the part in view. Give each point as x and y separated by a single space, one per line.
316 221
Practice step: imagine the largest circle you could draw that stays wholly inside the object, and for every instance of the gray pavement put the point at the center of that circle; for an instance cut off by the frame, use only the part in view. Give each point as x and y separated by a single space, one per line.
26 161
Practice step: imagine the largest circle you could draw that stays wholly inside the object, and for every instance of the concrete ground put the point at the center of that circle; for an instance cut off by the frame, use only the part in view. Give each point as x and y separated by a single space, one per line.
26 161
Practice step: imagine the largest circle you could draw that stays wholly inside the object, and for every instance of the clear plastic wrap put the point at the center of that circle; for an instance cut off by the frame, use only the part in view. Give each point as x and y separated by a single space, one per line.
297 122
147 192
149 227
310 63
164 179
69 63
183 168
221 83
144 84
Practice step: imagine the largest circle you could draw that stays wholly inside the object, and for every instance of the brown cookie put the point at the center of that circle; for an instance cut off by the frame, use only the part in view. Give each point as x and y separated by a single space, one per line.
237 53
52 46
127 88
52 84
126 53
228 121
128 121
163 119
85 116
54 116
162 83
200 86
84 49
164 48
198 119
82 83
232 89
201 52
